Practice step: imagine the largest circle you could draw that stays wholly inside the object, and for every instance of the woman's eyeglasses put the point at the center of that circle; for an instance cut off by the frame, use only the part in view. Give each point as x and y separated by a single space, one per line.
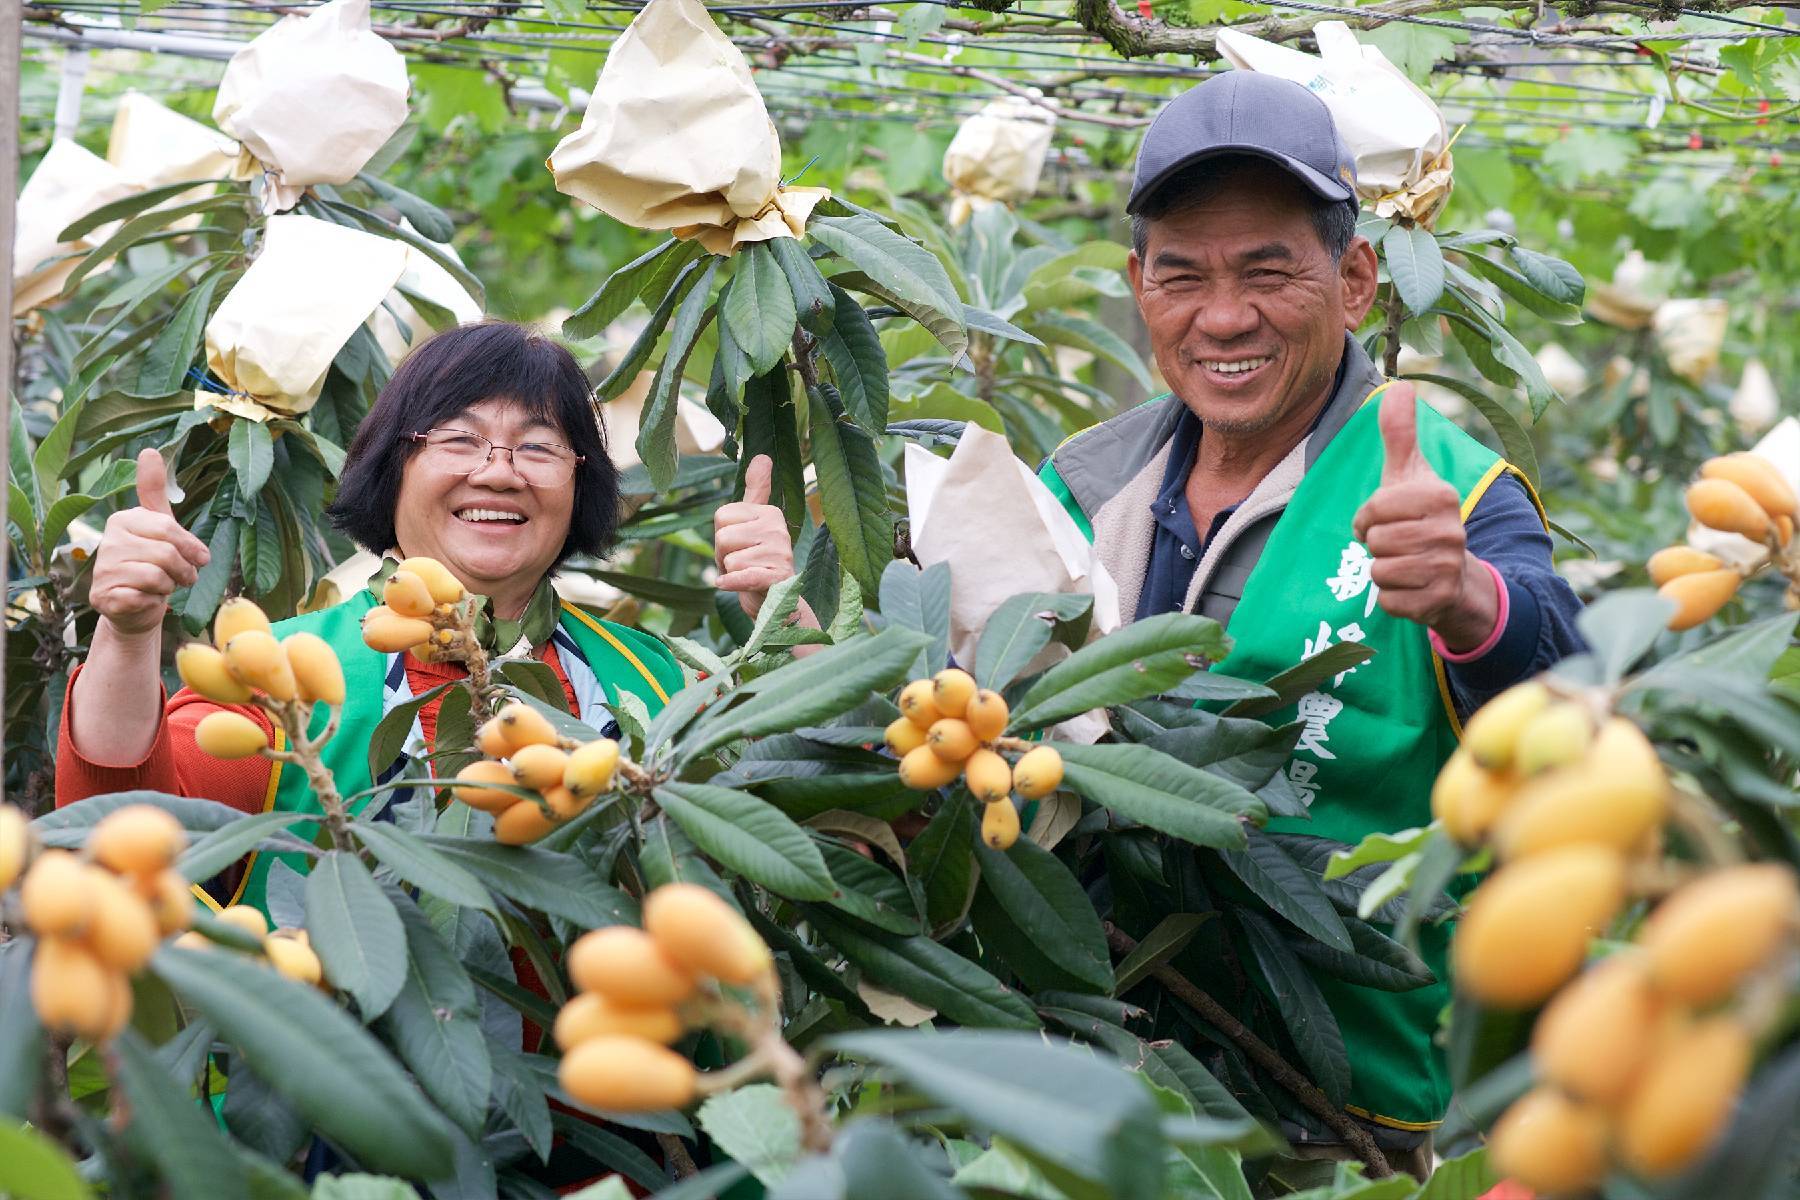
459 452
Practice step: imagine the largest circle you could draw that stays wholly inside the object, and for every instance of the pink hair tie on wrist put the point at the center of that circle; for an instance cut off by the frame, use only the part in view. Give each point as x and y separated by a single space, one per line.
1448 655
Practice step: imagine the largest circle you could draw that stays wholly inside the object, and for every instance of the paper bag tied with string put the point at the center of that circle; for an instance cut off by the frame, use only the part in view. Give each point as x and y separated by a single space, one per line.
70 182
676 137
155 145
313 99
275 333
989 516
997 155
1395 132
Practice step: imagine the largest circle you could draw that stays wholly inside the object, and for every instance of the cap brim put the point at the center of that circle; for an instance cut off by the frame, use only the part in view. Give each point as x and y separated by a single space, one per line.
1321 185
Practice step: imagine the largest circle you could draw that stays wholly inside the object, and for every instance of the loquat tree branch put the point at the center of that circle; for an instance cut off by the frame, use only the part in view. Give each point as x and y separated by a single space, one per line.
1260 1052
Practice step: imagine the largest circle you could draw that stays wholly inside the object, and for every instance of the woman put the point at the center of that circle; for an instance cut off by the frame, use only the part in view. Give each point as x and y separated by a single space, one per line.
484 452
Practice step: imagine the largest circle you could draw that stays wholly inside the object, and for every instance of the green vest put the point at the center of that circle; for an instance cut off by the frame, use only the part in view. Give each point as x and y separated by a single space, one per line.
1374 738
621 659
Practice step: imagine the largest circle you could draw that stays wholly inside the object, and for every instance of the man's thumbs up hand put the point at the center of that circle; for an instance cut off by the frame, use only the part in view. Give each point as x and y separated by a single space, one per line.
1412 526
144 555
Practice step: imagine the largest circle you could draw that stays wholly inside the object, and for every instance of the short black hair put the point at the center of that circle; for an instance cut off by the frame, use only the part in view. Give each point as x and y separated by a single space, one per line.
1193 185
451 373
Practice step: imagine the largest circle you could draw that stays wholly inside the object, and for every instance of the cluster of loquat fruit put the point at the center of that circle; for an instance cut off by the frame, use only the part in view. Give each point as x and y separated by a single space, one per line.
1639 1059
417 612
98 915
245 664
1740 493
640 989
288 950
525 751
948 727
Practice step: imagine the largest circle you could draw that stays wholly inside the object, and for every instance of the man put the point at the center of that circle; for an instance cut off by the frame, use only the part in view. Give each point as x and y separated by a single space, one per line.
1267 492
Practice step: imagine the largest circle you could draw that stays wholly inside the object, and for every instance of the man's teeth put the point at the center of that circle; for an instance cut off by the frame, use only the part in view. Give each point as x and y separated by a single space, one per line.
1235 368
489 514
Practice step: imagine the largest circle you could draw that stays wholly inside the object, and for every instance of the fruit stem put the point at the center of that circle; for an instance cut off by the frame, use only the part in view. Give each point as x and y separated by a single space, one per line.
295 716
1016 745
1703 828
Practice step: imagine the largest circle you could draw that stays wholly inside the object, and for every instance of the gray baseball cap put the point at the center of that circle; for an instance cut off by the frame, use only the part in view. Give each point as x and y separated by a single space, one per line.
1246 112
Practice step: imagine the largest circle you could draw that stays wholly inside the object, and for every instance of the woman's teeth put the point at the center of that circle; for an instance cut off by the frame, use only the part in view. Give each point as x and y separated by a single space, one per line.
1235 368
490 514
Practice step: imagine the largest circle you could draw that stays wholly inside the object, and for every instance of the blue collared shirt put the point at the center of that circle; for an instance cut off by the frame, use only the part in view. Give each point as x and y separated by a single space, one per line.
1503 529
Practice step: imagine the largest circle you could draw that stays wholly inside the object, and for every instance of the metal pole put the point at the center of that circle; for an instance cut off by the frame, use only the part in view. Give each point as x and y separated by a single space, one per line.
12 19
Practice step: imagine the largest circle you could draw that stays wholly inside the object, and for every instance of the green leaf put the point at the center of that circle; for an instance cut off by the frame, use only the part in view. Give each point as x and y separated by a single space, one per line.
1066 329
1377 848
1050 907
1302 678
634 358
903 271
1378 962
1526 293
878 1161
165 363
815 303
427 218
412 860
395 726
983 321
1308 1019
1549 275
1415 265
853 349
252 455
758 308
225 845
920 600
1279 882
933 975
1019 628
1621 627
1162 943
125 208
1515 441
1151 788
852 493
755 1126
1142 659
434 1024
134 231
21 1039
519 1091
260 1117
656 432
32 1167
178 1135
1466 1176
943 404
68 827
869 891
624 286
355 932
291 1034
1085 1114
749 836
823 685
557 884
942 861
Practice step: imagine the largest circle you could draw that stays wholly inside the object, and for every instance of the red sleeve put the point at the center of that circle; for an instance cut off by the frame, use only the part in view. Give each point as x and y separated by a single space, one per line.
173 763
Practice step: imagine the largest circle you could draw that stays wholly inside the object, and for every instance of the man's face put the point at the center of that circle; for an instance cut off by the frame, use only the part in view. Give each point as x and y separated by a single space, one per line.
1245 307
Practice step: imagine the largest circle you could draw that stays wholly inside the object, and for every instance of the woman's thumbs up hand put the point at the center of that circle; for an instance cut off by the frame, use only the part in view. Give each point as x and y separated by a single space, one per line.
144 555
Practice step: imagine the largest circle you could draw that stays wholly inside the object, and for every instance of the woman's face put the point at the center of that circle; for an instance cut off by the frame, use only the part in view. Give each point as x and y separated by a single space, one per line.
495 529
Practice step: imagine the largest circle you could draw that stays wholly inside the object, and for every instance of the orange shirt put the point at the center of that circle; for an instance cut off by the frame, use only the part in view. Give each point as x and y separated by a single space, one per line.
174 764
